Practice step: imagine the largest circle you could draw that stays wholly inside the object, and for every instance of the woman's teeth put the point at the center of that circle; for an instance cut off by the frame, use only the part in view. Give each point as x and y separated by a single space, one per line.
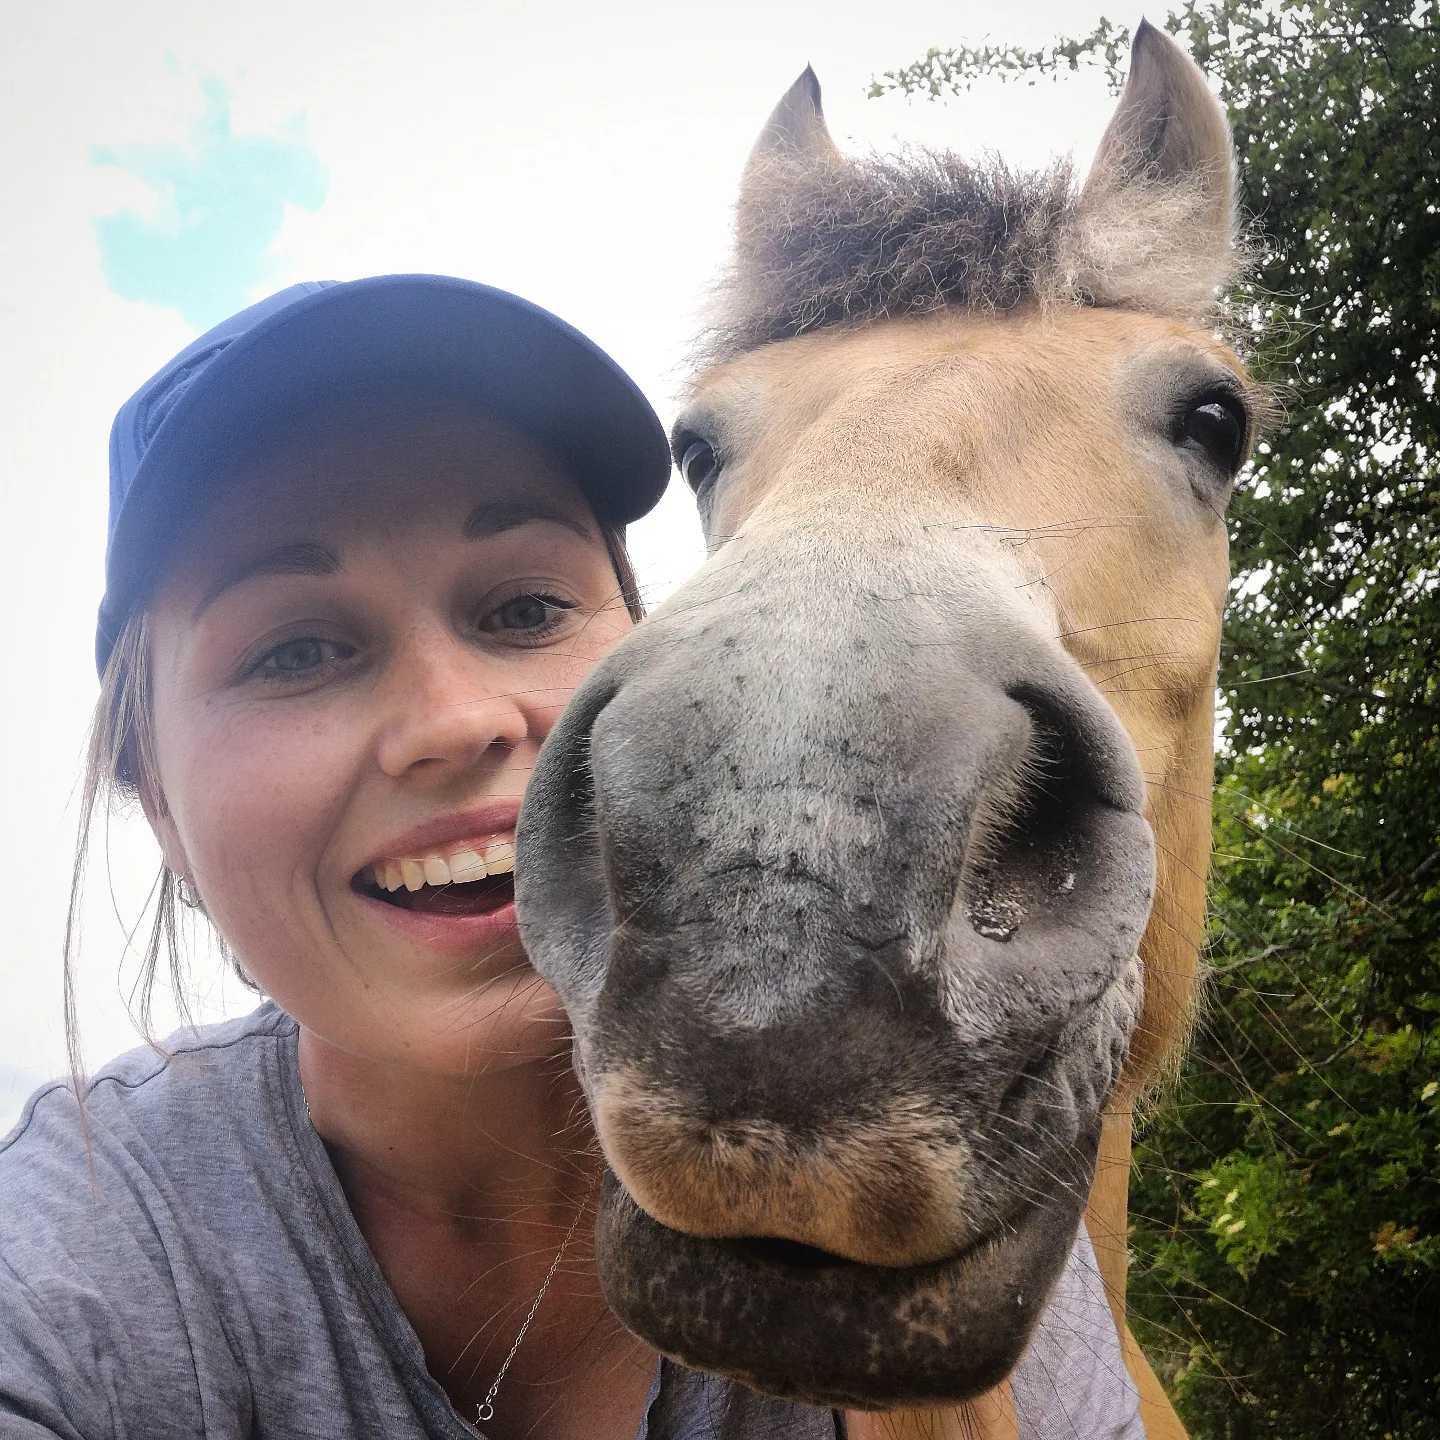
461 868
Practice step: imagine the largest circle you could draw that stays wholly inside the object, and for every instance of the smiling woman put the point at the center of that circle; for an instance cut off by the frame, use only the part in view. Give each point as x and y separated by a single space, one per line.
365 542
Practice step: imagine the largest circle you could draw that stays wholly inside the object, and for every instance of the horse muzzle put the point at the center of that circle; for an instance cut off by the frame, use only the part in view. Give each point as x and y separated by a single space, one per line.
843 900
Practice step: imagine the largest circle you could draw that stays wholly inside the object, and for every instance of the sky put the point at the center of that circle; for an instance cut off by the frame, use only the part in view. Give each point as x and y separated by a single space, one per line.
164 165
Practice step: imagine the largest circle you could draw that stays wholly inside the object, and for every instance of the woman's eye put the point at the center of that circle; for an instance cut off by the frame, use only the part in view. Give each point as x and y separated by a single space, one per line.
698 465
300 659
1217 425
530 615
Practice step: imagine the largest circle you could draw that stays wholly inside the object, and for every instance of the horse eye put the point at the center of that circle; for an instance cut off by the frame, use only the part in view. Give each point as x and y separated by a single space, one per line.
698 465
1217 424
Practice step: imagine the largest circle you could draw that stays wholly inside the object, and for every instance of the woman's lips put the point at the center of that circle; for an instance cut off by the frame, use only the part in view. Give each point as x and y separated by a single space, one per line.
452 927
449 833
458 900
465 862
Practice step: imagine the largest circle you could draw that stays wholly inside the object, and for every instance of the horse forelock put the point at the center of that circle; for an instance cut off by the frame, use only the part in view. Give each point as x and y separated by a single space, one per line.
843 241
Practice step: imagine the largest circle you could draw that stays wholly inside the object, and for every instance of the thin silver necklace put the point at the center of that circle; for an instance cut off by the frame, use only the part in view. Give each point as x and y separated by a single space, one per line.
485 1410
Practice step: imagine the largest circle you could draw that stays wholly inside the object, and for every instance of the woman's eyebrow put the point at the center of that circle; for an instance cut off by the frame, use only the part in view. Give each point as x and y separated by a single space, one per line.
308 557
493 517
303 557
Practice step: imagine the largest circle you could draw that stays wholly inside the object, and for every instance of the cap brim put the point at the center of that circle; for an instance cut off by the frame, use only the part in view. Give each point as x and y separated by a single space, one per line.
519 362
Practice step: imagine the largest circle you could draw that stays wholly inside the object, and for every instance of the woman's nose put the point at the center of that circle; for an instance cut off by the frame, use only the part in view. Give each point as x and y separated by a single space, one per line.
446 706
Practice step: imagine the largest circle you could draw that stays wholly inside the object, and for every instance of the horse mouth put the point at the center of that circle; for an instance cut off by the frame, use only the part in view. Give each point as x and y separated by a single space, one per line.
801 1324
791 1254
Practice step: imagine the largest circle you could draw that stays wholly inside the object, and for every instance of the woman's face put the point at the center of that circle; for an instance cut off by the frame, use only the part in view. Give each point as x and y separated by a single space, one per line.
355 659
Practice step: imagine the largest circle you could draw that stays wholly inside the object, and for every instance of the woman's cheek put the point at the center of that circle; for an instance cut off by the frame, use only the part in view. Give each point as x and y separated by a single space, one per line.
262 792
567 664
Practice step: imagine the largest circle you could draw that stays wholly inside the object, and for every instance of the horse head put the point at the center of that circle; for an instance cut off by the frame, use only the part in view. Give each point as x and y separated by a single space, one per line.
870 868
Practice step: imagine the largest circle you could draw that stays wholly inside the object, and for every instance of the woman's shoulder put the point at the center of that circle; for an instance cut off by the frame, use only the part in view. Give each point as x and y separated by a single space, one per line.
146 1089
186 1265
161 1135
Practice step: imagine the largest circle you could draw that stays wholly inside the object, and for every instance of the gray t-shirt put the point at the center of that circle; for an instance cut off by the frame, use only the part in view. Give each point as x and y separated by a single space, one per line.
202 1275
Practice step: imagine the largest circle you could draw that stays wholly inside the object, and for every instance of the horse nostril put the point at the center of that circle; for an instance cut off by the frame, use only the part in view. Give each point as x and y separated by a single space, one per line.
1026 855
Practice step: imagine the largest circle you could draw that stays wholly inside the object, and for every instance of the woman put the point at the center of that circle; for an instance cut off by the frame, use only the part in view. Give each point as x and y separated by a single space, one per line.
365 540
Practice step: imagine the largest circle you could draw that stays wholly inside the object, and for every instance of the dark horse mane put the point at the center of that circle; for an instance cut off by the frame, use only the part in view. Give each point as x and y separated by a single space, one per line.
842 241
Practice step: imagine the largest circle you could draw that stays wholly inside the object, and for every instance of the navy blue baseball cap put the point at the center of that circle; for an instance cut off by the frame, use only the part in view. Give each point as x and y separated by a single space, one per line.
315 341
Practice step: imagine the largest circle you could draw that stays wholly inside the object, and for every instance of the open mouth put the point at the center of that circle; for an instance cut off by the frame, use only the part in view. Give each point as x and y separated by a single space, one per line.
766 1250
474 897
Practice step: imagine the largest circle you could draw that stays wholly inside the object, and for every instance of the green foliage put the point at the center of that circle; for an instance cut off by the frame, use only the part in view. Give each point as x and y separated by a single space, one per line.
1311 1100
1286 1205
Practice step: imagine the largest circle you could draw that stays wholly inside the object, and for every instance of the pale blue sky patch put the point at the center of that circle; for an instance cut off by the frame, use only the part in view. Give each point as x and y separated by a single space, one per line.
222 200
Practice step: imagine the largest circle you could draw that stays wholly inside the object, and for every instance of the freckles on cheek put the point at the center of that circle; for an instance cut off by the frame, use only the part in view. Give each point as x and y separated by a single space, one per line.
599 637
549 677
566 673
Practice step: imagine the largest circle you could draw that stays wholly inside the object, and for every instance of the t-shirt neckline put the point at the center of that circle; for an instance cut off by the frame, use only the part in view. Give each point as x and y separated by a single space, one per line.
332 1215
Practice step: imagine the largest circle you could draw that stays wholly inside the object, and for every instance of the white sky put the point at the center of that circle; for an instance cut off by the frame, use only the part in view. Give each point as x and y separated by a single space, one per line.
584 155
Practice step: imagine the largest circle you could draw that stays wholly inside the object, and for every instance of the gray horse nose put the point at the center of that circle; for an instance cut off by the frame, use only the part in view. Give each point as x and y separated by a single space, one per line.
988 800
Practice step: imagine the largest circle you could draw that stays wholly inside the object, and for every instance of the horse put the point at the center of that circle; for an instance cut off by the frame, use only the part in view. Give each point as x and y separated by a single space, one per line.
870 869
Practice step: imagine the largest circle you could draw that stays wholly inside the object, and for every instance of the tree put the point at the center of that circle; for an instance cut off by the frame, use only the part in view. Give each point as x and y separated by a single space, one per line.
1286 1205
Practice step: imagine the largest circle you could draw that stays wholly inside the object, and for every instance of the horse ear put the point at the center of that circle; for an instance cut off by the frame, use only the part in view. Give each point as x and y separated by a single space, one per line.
1168 129
796 128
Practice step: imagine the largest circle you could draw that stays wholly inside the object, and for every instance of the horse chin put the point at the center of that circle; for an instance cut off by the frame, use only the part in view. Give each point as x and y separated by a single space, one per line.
820 1330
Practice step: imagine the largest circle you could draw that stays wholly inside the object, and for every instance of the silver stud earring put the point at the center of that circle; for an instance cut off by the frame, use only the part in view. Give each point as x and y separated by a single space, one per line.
186 892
